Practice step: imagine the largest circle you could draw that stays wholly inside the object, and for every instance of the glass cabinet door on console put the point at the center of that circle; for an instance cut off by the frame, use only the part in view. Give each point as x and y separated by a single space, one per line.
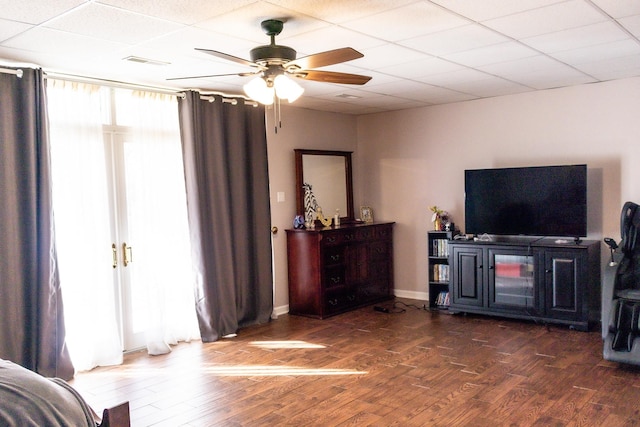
512 280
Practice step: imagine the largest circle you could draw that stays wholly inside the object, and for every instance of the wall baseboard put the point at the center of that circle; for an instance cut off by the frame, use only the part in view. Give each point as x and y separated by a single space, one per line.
277 311
421 296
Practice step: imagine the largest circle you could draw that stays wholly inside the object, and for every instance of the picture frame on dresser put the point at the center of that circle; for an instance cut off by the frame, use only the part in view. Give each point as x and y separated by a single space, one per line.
366 214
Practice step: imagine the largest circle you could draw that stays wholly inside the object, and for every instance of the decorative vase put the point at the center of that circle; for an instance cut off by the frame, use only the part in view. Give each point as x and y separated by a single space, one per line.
437 224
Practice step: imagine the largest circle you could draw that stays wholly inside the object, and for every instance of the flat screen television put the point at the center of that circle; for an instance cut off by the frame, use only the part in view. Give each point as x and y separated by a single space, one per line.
528 201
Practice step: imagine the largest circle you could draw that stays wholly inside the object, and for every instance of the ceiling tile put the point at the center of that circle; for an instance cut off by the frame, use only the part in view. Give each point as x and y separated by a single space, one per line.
488 87
244 22
47 40
452 79
339 11
575 38
185 12
415 19
619 8
416 51
455 40
601 52
420 68
112 24
329 38
421 91
36 11
632 24
615 68
184 42
385 56
491 54
557 17
539 72
487 9
9 29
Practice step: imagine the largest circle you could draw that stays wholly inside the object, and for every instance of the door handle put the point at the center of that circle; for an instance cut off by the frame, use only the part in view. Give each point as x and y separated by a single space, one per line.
114 254
127 254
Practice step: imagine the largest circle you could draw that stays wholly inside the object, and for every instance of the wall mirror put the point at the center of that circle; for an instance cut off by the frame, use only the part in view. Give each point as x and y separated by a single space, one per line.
329 175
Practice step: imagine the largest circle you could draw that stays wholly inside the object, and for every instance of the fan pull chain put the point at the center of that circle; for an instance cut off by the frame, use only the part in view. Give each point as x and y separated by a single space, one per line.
277 115
275 118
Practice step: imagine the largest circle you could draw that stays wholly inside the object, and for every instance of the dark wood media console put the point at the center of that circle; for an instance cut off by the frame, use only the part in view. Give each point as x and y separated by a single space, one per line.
543 280
336 269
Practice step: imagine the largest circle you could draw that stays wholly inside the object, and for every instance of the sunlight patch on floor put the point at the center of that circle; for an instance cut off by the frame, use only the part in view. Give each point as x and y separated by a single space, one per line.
284 344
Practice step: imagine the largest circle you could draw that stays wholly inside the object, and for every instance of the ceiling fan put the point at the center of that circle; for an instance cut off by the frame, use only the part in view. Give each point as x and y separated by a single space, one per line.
274 64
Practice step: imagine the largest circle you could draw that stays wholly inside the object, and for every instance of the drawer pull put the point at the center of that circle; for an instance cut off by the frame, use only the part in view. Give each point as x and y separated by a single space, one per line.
335 257
333 301
336 279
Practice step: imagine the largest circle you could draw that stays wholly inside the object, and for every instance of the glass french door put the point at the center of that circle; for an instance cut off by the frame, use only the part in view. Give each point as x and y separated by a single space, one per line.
151 237
122 238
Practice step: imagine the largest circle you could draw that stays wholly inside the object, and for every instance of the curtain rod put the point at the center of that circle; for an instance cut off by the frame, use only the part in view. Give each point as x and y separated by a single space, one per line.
208 96
17 72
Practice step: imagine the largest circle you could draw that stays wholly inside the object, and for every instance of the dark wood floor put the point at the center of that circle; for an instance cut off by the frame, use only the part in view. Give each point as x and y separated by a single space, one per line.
416 368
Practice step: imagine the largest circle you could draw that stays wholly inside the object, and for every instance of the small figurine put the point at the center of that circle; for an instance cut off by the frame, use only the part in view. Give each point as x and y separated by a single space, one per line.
298 222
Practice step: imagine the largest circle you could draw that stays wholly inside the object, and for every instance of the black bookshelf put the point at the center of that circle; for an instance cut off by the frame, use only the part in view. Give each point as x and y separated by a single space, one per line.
439 273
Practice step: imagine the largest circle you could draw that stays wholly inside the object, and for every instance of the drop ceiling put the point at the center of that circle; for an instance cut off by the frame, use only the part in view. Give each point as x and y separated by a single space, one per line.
418 53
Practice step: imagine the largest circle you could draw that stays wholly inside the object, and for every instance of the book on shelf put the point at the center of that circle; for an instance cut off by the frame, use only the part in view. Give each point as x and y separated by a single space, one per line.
440 272
443 299
440 247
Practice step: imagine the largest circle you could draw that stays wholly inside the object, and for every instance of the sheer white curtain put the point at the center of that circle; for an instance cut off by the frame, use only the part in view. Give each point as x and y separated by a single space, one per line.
121 181
163 276
81 218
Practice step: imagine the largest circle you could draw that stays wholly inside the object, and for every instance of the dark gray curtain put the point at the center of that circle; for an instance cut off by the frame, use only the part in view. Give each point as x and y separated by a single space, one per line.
225 157
32 330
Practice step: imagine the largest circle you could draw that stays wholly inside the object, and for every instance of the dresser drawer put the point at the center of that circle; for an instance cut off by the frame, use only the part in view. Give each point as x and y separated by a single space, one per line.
334 255
339 300
379 250
334 276
338 237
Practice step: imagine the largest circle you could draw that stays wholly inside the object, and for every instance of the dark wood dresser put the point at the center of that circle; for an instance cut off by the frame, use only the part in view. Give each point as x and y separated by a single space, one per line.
337 269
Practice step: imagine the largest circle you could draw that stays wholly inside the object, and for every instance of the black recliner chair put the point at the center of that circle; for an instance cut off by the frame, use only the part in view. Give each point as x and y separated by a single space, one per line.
622 342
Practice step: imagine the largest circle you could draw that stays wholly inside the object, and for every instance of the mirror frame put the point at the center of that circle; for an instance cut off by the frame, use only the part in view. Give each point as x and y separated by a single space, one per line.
348 179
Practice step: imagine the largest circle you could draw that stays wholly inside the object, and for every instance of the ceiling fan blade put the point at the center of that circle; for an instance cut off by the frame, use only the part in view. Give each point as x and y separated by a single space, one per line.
228 57
323 59
213 75
333 77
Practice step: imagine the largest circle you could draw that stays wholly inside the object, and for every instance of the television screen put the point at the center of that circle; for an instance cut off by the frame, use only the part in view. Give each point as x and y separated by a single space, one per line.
530 201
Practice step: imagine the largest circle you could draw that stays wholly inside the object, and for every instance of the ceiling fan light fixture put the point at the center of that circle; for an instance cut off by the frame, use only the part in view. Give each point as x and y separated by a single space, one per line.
259 90
286 88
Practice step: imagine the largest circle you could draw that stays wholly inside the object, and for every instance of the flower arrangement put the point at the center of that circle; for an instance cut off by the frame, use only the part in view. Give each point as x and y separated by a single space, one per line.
439 218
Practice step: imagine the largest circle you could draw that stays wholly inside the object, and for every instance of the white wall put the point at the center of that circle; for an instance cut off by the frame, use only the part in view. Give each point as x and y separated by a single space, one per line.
301 128
412 159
